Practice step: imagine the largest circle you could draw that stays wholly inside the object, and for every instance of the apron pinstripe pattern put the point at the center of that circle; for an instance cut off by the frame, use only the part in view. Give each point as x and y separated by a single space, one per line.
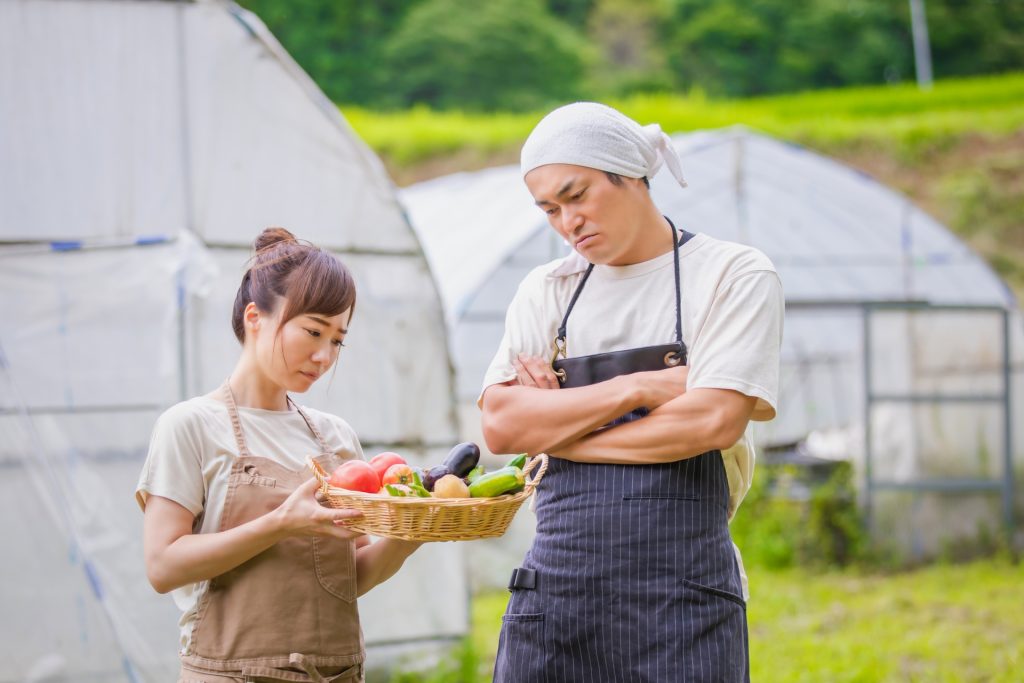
634 579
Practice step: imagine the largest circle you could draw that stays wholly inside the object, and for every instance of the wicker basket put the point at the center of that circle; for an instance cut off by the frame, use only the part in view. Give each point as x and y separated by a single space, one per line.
432 519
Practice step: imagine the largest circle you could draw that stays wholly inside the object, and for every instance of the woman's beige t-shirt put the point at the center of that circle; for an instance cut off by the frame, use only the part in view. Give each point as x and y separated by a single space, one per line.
190 456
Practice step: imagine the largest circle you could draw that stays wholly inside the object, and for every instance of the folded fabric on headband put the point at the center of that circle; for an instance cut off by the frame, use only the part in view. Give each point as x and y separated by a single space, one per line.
597 136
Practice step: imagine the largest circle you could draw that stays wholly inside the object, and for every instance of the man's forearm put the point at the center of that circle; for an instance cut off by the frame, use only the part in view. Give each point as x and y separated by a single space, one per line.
518 419
695 423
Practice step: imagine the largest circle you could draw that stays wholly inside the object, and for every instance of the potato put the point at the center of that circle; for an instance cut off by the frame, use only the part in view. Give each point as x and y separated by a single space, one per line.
450 486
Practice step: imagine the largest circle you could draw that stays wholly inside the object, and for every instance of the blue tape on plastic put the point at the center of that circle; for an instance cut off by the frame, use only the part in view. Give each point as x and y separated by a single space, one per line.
151 239
94 579
129 670
65 246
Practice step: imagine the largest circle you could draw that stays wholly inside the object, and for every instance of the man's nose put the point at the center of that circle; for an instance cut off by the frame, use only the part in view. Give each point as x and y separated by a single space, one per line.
571 220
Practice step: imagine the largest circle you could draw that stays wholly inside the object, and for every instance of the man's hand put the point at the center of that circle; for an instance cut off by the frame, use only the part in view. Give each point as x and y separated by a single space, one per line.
658 387
534 371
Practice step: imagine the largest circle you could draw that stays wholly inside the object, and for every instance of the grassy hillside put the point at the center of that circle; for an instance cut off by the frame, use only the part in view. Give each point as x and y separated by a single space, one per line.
956 150
939 623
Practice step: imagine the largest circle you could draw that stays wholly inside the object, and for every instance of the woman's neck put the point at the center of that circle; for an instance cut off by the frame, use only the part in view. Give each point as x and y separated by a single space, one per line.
253 389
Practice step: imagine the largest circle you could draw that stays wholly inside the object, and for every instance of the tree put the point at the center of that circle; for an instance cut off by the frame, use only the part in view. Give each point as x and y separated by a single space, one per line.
501 54
337 41
627 36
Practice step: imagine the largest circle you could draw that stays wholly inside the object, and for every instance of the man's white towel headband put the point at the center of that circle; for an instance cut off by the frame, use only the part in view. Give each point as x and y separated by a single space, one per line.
597 136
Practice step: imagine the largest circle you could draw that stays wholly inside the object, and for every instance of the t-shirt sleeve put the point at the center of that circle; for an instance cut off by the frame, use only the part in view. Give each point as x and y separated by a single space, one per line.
739 344
348 446
173 467
526 331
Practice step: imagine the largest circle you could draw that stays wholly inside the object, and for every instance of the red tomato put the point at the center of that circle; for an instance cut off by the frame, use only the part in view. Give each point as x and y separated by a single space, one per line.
398 474
355 475
382 461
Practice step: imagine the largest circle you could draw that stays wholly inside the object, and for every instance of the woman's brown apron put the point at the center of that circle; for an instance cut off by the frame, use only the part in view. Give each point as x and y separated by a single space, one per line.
287 614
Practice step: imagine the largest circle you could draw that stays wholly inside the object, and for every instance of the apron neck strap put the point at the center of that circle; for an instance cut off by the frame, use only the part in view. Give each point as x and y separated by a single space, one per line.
677 240
236 422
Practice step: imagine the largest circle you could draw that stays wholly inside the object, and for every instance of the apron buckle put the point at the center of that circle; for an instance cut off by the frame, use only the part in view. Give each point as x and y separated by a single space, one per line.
523 578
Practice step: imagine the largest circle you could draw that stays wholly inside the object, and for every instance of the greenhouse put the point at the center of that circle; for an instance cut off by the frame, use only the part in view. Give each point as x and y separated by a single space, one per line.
902 348
145 146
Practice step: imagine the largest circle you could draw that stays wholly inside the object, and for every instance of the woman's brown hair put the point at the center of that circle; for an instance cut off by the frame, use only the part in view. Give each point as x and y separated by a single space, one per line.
309 279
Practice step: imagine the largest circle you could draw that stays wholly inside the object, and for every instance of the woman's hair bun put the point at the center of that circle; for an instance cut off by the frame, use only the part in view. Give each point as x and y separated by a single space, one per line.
271 236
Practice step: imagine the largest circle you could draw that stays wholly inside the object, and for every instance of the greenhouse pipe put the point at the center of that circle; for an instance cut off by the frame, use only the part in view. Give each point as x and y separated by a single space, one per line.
922 47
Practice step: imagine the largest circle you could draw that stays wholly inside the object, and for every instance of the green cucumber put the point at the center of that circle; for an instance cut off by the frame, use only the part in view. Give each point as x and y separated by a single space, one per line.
497 482
518 461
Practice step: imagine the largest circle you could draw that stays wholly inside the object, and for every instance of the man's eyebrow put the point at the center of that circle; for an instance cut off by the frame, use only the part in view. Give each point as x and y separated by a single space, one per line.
326 324
565 188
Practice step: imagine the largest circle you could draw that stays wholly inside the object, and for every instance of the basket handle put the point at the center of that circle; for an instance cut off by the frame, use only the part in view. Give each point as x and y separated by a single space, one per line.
320 474
531 464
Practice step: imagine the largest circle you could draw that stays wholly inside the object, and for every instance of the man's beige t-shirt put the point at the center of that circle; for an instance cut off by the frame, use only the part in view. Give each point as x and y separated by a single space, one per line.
190 456
732 314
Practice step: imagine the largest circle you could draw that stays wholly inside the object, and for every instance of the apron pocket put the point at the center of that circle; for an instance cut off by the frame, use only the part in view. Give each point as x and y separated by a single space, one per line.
522 649
335 562
712 633
727 595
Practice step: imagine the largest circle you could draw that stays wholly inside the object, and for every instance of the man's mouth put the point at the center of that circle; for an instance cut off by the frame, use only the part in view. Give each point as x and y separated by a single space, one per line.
311 375
583 241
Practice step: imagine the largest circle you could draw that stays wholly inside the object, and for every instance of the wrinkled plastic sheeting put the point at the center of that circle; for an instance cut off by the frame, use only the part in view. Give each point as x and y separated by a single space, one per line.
93 343
76 603
149 117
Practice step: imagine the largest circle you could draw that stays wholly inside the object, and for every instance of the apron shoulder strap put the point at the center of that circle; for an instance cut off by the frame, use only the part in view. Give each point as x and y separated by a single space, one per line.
324 449
679 238
236 422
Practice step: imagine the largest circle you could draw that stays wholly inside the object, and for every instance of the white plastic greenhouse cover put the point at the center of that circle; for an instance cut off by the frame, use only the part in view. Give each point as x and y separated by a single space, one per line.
838 239
145 144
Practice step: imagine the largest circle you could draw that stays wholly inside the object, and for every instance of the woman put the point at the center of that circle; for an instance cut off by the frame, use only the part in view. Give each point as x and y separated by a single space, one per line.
265 576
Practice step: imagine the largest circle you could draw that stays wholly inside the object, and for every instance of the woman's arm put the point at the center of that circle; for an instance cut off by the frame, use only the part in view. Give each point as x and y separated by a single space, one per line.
378 562
175 556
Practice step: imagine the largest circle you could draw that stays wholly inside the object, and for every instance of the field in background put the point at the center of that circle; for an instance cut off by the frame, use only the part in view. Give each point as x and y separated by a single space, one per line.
940 624
956 150
900 115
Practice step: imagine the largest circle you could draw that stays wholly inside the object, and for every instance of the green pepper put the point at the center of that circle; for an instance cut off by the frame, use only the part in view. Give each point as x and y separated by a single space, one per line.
395 491
518 461
474 474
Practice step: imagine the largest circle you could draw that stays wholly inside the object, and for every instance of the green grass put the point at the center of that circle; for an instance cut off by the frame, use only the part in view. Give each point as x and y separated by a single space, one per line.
900 115
937 624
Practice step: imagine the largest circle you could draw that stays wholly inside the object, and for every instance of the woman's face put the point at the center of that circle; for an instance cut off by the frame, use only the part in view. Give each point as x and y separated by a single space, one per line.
298 353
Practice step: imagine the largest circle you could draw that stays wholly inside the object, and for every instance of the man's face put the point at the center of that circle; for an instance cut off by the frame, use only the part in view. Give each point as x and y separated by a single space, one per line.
597 217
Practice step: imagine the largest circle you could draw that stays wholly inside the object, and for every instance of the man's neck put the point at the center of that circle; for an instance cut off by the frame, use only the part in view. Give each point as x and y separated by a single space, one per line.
653 238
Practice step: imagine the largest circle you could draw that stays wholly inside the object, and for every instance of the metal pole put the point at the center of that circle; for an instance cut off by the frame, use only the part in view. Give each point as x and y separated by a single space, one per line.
1008 473
922 46
868 399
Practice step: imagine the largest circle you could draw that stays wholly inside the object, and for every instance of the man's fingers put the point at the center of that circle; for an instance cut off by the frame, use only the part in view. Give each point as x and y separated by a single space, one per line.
539 370
525 378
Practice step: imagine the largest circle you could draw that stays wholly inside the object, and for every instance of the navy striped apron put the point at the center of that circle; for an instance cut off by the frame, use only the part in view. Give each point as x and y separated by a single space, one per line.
631 576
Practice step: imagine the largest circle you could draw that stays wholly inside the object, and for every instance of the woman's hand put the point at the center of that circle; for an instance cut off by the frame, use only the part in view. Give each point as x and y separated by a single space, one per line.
301 514
534 371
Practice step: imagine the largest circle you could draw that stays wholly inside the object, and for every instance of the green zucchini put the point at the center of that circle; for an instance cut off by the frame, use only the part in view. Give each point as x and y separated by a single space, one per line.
474 474
497 482
518 461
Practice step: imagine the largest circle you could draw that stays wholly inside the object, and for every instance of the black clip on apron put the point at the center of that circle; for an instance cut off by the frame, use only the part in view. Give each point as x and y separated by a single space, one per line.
631 575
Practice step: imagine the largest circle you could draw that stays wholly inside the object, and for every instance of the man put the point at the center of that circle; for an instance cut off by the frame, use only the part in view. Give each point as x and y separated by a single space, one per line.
670 346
